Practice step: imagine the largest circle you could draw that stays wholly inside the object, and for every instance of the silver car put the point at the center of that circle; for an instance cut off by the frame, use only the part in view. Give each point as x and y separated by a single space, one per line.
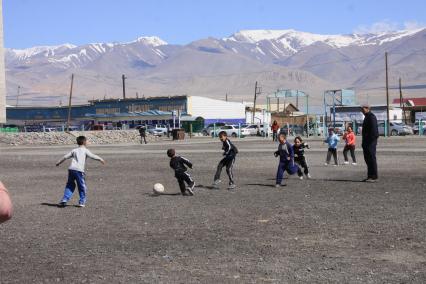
395 129
231 130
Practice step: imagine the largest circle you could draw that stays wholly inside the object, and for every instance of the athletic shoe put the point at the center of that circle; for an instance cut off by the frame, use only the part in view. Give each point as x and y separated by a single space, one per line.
346 163
301 177
309 176
190 189
231 186
335 165
372 180
81 205
216 183
325 164
354 164
278 185
62 204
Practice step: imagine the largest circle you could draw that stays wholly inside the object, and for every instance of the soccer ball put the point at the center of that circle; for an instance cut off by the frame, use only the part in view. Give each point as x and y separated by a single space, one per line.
158 188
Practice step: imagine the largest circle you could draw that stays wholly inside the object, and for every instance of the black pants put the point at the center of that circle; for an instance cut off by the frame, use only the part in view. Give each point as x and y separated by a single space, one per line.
301 161
182 178
332 151
143 139
274 136
227 162
370 159
350 148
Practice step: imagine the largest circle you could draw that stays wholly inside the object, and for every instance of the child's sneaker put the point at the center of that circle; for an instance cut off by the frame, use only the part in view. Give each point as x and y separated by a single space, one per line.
308 176
301 177
81 205
62 204
216 183
354 164
346 163
190 189
335 165
326 164
278 185
231 186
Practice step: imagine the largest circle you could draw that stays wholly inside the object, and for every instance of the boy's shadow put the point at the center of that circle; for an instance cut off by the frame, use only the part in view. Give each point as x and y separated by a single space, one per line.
57 205
341 180
162 194
264 184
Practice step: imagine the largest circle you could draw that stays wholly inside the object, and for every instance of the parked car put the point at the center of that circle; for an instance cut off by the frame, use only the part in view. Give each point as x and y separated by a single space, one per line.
292 129
416 127
156 130
254 129
231 130
207 131
339 127
396 128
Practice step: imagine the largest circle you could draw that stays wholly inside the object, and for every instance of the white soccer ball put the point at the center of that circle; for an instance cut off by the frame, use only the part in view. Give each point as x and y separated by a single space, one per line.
158 188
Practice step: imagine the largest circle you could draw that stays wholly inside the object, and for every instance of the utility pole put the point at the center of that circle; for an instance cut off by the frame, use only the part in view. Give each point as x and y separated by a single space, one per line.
69 103
123 77
256 92
387 95
17 96
401 102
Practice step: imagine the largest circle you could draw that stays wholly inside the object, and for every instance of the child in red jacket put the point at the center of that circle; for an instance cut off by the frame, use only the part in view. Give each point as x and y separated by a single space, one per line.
350 140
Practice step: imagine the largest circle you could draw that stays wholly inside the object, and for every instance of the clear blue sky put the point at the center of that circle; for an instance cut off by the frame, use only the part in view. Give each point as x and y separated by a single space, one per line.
48 22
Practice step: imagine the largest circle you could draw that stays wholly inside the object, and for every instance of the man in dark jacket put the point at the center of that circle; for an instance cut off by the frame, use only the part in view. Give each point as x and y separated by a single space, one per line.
142 133
370 134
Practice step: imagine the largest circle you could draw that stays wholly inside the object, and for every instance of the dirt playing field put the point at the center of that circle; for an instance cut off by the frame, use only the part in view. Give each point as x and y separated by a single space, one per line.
332 228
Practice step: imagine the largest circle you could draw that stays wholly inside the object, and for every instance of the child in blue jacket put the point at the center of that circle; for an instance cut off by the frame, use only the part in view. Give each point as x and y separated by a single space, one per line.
286 154
332 141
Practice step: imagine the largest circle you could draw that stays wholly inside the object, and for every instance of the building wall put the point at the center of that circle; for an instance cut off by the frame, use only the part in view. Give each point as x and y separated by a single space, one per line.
354 113
2 72
211 109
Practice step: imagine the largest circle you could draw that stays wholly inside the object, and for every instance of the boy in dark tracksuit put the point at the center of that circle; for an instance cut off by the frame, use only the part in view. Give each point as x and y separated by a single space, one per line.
230 152
299 156
179 164
286 154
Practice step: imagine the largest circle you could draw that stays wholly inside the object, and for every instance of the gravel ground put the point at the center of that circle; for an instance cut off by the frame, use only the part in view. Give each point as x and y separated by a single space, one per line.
331 229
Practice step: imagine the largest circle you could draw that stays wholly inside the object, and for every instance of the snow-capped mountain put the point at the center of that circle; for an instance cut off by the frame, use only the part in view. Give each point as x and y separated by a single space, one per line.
213 67
296 40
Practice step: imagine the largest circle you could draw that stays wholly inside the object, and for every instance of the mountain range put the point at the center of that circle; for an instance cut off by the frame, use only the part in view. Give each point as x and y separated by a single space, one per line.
217 68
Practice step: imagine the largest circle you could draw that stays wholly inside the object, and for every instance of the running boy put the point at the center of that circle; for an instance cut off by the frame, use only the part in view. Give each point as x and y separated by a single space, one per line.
286 154
178 164
332 141
299 156
76 171
349 138
230 152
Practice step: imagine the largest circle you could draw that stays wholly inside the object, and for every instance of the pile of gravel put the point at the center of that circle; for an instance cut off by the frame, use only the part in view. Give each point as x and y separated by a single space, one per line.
63 138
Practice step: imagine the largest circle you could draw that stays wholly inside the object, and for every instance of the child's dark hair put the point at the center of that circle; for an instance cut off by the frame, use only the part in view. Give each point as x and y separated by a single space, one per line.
171 152
298 138
283 135
223 134
81 140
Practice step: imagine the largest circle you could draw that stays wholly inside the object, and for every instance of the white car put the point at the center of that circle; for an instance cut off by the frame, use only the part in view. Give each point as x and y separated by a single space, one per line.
157 128
396 128
231 130
252 129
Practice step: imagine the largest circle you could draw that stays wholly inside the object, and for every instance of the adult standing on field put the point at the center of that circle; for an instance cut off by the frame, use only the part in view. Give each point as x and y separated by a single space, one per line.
275 126
370 134
5 204
142 133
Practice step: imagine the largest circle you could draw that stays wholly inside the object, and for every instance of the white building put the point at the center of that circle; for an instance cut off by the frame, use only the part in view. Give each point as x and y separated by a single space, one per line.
216 110
353 113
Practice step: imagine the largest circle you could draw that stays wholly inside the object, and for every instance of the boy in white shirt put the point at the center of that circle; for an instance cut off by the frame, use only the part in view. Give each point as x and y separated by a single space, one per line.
76 171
